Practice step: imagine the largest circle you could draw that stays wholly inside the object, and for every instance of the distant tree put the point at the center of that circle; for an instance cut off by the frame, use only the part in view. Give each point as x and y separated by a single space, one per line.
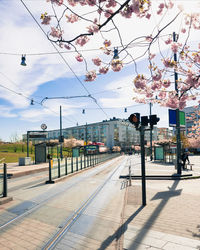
14 138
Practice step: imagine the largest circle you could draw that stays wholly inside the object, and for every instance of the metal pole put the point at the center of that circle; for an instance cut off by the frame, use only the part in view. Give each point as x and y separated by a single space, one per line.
4 180
143 165
50 176
178 136
151 156
86 135
27 143
61 156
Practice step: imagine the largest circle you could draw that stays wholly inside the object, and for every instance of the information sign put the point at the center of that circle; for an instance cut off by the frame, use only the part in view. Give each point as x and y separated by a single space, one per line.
172 118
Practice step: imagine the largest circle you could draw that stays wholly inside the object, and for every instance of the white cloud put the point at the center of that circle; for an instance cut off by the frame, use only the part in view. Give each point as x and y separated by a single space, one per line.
6 112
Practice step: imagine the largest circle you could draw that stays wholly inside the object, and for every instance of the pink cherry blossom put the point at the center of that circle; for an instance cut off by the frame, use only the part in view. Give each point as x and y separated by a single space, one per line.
169 63
56 32
111 3
168 41
67 46
151 56
58 2
140 82
148 16
156 85
162 95
103 70
166 83
79 58
97 61
72 18
81 41
46 20
93 29
91 2
183 30
116 65
174 47
161 7
108 13
90 76
157 76
107 43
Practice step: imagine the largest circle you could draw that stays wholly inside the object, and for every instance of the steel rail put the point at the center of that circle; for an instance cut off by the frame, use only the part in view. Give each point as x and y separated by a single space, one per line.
76 215
38 205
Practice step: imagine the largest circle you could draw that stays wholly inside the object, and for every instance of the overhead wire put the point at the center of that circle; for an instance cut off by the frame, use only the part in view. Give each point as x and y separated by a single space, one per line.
30 99
78 79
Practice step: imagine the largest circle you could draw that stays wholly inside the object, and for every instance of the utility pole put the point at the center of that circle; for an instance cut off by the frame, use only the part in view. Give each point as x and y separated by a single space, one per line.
178 136
151 157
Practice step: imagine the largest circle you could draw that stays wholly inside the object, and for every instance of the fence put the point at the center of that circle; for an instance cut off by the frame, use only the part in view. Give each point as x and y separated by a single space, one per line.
3 179
59 167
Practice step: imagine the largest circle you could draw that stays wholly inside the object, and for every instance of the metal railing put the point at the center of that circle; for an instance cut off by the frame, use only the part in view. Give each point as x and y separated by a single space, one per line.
60 167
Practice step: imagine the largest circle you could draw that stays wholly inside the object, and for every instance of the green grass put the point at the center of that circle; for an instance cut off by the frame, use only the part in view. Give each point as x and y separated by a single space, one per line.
13 157
14 147
13 151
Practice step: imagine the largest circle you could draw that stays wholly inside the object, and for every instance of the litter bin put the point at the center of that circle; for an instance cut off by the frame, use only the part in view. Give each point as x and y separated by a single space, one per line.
24 161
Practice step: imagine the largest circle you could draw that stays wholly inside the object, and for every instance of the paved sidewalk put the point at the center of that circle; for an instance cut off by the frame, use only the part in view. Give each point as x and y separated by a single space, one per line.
14 170
171 218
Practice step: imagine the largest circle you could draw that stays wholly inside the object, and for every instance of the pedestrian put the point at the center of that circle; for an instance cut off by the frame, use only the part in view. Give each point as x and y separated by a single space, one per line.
184 158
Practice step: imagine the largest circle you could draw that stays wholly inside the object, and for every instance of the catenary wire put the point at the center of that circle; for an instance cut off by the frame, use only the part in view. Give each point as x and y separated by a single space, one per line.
62 57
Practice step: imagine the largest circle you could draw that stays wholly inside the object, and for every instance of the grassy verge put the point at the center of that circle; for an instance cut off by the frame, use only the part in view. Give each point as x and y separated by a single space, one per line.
12 157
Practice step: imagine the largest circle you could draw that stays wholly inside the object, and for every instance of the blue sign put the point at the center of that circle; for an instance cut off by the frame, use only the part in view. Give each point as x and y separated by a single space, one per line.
172 118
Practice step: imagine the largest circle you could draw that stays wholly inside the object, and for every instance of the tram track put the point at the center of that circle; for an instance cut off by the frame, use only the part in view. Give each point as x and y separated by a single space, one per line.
55 194
76 215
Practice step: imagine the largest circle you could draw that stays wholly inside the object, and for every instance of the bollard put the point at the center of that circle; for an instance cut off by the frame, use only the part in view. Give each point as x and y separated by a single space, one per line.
65 165
81 163
50 176
59 167
72 164
76 163
4 180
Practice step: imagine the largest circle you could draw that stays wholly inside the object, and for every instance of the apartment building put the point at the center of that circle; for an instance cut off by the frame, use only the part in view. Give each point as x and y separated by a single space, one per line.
112 132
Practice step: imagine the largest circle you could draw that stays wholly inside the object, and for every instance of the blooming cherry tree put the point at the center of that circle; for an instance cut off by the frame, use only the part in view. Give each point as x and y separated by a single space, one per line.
98 19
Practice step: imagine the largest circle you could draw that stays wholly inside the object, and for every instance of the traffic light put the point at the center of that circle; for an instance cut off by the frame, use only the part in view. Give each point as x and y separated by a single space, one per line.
153 120
135 119
144 120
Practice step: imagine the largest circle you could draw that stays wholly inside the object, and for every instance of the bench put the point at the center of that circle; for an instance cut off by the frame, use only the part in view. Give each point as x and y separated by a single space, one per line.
188 165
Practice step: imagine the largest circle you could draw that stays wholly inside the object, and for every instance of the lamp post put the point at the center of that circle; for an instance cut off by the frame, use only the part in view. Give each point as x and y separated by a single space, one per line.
178 137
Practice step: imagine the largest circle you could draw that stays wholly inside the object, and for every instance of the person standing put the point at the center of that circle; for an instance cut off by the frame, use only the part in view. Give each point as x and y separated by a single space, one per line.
184 158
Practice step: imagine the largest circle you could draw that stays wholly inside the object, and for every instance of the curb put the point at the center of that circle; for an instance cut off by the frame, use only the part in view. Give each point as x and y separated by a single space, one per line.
160 177
20 174
4 200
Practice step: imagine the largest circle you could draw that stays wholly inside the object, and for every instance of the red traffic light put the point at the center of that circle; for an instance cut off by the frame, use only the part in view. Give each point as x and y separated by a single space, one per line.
135 119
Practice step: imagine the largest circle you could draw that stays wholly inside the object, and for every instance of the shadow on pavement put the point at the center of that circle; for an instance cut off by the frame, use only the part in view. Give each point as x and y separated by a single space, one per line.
165 197
120 231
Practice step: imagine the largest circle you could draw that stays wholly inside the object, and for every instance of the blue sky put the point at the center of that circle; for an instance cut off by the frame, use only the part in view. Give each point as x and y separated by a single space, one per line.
48 76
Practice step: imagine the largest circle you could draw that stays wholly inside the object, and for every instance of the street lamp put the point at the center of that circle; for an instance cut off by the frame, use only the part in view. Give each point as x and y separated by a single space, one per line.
61 138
